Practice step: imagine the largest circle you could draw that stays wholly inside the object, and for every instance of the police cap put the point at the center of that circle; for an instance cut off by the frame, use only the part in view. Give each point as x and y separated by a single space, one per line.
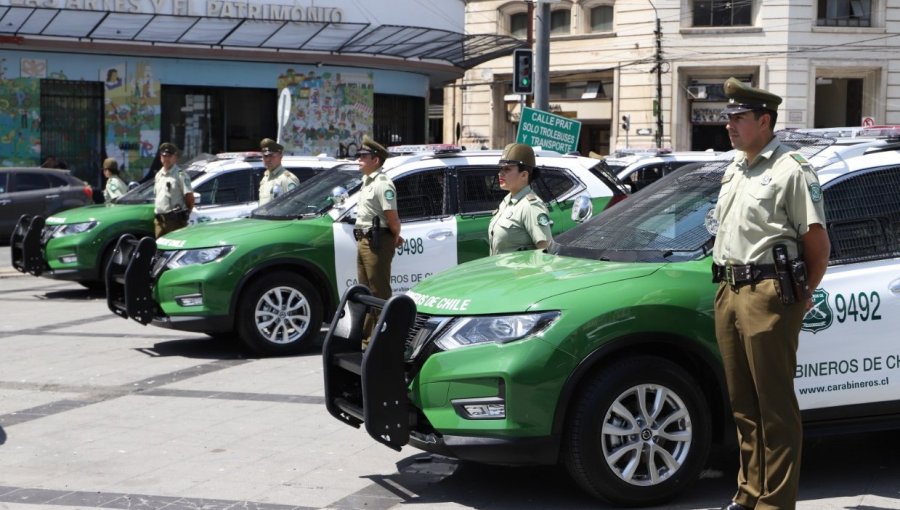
370 146
743 98
168 148
111 164
269 146
517 154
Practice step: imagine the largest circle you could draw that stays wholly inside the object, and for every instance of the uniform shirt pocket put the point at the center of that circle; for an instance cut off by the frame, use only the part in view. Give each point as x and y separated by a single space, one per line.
508 224
762 203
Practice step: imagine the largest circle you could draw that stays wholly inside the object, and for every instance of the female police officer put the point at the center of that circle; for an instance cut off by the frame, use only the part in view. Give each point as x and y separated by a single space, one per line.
521 222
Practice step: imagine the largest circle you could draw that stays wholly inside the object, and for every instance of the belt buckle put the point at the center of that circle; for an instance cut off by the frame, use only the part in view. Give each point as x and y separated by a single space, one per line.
729 275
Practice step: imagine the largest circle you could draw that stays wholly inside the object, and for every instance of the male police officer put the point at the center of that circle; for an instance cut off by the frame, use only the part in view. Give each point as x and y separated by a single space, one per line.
276 180
770 217
377 229
522 221
174 195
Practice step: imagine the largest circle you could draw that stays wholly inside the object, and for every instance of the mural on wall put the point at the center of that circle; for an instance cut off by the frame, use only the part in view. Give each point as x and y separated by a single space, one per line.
329 112
132 107
20 117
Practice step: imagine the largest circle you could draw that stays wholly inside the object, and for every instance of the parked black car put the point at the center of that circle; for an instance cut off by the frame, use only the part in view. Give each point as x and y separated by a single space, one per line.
41 191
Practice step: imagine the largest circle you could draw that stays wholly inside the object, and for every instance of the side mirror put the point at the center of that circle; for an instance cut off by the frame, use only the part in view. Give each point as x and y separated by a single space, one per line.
132 185
582 209
338 196
196 199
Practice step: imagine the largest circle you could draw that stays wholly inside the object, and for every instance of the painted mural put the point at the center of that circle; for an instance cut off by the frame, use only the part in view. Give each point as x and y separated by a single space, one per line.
132 107
329 112
20 118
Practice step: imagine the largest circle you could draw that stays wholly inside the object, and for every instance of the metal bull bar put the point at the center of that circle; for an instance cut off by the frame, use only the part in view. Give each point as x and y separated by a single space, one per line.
128 287
369 386
25 245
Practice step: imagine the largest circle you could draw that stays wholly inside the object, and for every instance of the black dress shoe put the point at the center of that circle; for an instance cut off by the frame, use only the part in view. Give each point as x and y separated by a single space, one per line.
735 506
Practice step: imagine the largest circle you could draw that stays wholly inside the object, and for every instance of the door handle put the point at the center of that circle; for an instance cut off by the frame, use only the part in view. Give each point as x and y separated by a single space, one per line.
895 286
4 202
51 196
440 235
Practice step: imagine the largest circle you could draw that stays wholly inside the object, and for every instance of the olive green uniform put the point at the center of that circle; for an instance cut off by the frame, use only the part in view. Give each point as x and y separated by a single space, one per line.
519 223
171 211
373 266
115 188
275 182
771 200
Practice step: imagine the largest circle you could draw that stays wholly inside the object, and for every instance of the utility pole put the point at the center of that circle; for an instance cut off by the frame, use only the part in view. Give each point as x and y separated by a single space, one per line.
657 106
542 56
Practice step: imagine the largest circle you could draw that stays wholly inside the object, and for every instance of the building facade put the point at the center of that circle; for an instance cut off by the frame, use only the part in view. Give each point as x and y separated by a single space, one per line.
81 80
835 63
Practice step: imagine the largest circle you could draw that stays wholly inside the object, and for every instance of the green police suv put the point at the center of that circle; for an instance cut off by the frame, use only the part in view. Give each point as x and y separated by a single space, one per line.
76 244
273 278
600 354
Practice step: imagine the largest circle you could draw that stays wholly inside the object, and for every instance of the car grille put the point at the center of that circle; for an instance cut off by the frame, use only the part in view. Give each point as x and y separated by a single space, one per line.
159 263
424 329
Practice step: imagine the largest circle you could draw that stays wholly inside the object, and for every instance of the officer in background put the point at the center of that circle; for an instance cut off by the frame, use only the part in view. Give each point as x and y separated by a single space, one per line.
115 186
174 195
377 229
769 213
276 180
522 221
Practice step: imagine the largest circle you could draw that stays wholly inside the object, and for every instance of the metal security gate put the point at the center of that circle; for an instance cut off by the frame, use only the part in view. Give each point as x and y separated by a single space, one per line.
72 126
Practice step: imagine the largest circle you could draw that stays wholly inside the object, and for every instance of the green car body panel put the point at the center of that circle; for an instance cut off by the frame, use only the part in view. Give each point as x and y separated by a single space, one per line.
89 247
534 371
259 245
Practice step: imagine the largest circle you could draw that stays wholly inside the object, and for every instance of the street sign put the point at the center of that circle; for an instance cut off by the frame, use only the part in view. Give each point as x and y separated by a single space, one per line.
644 131
868 121
548 131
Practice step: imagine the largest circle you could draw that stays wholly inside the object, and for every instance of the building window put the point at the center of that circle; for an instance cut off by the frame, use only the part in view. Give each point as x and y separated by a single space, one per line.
518 24
844 13
722 13
560 21
602 18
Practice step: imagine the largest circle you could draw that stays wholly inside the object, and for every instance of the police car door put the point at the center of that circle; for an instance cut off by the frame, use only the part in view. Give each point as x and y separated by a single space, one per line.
848 351
427 228
227 195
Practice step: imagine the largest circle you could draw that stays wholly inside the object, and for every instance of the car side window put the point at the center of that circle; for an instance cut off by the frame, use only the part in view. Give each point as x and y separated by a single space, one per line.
863 216
4 178
56 181
421 195
553 183
479 190
228 188
30 182
302 172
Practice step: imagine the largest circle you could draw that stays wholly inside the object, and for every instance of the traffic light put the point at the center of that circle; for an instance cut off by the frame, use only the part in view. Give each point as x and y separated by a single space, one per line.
626 121
523 71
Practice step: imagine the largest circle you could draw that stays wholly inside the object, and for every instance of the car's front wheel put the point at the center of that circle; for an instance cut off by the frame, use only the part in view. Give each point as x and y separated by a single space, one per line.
280 314
639 433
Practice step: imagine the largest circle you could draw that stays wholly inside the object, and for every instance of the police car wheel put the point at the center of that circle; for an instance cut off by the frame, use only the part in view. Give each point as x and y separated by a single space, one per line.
639 433
279 314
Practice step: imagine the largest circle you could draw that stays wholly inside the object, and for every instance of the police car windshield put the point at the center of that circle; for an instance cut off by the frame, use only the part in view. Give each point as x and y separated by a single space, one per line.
314 196
670 221
145 194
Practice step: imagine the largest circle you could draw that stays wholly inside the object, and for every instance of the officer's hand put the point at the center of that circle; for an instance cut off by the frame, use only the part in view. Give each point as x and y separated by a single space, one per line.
398 241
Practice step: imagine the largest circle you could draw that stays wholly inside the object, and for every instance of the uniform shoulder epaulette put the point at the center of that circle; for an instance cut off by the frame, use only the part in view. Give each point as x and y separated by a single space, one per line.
532 197
796 156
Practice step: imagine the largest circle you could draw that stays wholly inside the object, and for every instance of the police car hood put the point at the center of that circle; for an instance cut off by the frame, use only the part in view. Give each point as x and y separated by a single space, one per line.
517 281
219 233
104 213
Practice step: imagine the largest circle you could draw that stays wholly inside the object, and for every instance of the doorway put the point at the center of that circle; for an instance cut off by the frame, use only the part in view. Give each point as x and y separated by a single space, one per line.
839 102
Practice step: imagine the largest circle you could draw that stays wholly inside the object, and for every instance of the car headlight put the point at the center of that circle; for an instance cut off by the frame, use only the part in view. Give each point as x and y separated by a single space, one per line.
199 256
73 228
498 329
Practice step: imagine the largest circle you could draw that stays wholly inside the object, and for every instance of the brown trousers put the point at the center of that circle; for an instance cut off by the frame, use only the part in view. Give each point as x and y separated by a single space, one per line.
162 226
758 338
373 269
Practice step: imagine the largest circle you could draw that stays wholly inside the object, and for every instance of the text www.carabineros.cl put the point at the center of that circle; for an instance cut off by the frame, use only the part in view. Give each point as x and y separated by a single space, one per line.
848 385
